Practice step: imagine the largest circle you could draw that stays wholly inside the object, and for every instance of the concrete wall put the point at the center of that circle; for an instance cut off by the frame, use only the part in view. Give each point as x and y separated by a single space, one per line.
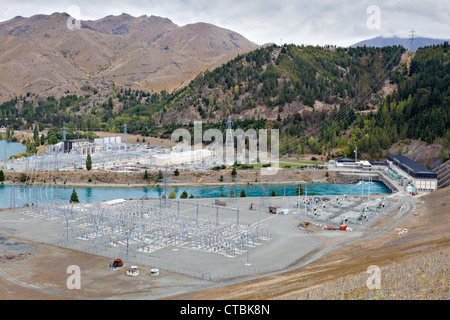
426 184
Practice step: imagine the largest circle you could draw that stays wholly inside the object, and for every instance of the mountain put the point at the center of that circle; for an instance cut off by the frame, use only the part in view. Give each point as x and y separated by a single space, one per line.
40 54
419 42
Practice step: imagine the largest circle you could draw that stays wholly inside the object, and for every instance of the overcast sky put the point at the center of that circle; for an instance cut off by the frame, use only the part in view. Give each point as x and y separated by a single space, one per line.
316 22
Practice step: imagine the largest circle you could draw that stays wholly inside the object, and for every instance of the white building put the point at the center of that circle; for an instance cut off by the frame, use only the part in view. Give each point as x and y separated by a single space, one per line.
85 147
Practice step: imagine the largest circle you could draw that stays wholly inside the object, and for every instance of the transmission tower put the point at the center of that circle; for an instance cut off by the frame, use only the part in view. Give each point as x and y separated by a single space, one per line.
412 37
229 143
64 131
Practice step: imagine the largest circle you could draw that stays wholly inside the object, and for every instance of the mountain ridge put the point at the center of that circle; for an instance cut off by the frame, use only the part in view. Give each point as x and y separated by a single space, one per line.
40 54
419 42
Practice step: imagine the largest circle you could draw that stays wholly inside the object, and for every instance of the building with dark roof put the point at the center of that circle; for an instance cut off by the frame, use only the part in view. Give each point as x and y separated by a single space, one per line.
421 177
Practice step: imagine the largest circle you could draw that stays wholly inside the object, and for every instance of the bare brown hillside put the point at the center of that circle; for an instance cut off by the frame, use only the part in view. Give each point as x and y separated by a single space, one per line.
42 55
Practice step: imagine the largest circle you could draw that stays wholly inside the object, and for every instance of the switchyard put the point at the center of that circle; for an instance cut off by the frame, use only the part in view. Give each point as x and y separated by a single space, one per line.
208 239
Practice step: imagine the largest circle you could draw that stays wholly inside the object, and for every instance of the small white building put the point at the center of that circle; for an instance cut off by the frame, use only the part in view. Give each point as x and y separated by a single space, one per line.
154 272
133 271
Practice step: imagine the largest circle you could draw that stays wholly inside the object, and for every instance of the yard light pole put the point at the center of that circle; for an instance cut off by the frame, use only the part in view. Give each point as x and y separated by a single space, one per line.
248 249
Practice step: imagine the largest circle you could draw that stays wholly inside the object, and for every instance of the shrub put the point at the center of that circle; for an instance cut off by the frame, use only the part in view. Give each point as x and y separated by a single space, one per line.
74 197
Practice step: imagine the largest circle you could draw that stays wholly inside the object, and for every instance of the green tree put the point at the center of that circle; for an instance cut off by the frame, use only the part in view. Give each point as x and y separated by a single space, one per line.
184 195
274 194
160 175
234 172
74 197
23 177
443 155
176 172
36 135
31 147
172 194
243 194
52 139
2 176
88 163
146 175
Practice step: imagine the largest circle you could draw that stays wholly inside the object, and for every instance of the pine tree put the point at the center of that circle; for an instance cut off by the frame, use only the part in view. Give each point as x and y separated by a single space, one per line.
146 175
36 135
88 163
74 197
2 176
243 194
184 195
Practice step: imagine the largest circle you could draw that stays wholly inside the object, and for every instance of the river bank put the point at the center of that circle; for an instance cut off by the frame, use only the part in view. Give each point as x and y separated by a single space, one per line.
105 179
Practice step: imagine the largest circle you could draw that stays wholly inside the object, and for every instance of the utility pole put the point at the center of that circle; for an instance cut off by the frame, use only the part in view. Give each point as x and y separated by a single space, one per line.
126 138
165 186
306 195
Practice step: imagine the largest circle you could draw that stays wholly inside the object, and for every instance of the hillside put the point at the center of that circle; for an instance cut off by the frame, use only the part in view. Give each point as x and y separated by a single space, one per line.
42 55
275 82
325 101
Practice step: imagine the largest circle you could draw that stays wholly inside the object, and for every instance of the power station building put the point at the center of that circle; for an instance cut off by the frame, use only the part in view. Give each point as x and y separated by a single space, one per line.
412 172
85 147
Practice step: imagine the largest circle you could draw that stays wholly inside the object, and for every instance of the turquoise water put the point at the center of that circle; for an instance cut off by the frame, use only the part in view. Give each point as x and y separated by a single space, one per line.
28 195
8 149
